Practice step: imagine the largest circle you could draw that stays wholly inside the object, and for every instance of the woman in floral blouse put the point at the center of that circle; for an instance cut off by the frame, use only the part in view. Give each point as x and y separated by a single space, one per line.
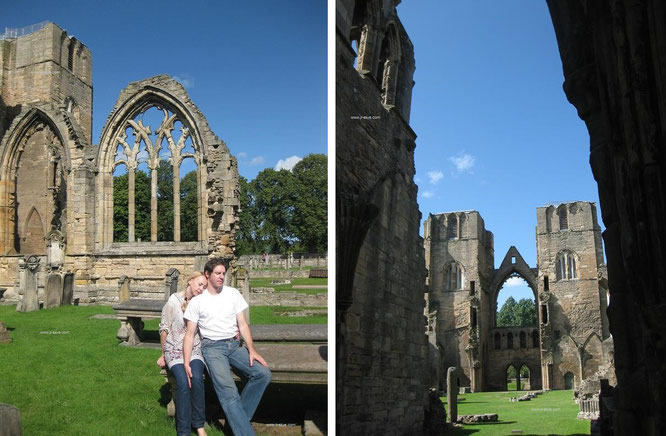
189 401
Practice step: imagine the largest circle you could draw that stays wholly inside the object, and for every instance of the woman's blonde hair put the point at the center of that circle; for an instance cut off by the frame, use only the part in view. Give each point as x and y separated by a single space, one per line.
194 275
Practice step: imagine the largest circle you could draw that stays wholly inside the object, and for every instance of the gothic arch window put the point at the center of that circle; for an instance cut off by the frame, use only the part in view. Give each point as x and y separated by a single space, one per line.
454 276
389 64
151 150
498 341
509 341
452 227
566 266
363 34
563 215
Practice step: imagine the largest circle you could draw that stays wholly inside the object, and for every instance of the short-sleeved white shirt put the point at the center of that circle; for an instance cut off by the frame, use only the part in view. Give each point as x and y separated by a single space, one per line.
216 314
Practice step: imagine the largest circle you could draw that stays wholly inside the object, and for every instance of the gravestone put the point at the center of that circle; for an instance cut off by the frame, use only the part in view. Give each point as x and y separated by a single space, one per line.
53 290
28 267
123 289
171 282
68 289
4 335
451 395
10 421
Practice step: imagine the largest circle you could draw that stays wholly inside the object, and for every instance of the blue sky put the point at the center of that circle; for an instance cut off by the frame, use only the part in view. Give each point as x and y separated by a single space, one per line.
495 131
257 70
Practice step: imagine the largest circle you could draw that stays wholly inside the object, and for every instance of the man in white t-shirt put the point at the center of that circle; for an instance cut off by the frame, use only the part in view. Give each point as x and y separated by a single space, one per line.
219 313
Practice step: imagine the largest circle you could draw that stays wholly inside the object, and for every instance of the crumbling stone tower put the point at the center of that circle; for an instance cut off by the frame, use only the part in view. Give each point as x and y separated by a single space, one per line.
572 303
460 261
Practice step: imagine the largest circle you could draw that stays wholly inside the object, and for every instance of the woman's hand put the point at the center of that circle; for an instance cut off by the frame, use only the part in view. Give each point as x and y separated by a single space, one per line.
160 361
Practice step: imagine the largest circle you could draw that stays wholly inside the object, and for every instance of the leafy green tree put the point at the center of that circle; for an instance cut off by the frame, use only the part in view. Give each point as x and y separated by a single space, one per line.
517 314
165 201
188 207
248 229
275 195
310 209
141 207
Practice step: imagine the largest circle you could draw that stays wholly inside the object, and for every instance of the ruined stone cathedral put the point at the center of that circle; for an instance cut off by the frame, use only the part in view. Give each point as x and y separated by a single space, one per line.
571 342
57 187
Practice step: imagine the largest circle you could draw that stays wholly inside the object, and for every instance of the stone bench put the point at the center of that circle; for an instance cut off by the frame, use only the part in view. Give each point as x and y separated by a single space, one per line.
296 354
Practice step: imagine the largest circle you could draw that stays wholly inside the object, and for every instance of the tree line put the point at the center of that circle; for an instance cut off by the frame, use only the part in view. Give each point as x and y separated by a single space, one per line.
285 210
517 314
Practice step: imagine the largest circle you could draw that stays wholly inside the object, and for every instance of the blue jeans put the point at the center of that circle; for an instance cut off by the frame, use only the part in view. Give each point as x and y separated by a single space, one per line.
190 403
238 409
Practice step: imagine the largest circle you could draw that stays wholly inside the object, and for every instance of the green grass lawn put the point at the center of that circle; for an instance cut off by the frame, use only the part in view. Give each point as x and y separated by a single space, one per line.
552 413
67 374
266 283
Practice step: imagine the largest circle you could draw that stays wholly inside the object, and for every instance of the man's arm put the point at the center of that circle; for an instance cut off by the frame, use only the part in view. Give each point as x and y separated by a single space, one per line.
244 329
188 343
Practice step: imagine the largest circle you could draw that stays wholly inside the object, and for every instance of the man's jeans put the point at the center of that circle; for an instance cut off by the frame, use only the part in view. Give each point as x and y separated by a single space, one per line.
189 403
237 408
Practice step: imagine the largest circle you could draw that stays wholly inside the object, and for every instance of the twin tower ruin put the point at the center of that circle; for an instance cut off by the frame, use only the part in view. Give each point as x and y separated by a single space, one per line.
57 214
570 342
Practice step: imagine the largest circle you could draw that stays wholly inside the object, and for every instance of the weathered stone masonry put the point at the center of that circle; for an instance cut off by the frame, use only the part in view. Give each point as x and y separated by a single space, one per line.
570 294
381 343
56 188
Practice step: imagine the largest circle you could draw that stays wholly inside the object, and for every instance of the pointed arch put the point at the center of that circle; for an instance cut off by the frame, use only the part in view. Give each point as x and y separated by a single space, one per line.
167 95
32 235
61 132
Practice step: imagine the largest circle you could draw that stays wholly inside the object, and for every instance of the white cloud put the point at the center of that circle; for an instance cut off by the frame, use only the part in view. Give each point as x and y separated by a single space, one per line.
515 281
288 163
427 194
185 79
435 176
241 155
463 162
258 160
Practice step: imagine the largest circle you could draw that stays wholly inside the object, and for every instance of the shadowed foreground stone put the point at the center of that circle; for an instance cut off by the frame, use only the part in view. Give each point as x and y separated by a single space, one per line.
10 421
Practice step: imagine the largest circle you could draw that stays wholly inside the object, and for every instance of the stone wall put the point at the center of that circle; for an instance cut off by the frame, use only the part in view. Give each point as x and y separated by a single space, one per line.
462 307
615 75
381 343
56 188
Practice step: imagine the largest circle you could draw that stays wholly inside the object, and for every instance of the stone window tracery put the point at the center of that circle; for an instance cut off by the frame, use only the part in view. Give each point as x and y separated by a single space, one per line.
150 152
565 266
453 276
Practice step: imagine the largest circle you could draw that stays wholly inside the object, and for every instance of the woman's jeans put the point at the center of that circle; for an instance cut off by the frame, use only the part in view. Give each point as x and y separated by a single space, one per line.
189 402
238 409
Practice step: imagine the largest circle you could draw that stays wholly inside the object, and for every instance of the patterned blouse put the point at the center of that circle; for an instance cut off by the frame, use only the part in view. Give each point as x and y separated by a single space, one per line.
174 324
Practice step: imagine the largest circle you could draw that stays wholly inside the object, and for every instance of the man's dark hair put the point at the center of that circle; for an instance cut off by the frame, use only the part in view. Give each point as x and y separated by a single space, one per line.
214 262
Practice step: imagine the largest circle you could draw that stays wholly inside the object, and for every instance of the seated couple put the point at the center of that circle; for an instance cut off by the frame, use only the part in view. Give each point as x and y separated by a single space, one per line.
200 325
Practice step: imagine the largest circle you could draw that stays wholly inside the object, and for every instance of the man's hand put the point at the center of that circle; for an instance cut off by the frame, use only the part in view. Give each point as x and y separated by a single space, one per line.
256 356
160 361
188 371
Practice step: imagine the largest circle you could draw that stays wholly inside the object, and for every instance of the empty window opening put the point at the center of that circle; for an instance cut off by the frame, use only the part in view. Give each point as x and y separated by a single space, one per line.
545 284
472 290
498 341
564 221
513 259
523 340
515 304
509 341
535 339
544 314
565 266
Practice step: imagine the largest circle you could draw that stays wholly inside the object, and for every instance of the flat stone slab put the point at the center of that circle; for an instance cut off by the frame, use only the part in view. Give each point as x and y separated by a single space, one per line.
290 332
10 420
296 363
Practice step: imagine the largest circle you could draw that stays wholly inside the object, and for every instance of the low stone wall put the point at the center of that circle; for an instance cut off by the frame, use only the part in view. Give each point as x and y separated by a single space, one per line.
288 299
281 274
297 260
